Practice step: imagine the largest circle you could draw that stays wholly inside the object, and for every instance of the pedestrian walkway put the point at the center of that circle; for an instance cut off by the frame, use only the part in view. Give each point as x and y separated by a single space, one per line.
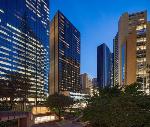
66 123
63 123
46 125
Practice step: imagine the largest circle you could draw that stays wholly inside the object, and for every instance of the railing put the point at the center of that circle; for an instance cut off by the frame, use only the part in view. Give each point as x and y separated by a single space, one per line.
10 115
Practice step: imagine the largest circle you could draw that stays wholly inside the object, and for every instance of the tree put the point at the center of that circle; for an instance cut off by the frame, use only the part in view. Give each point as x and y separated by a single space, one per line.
16 87
128 108
134 89
58 102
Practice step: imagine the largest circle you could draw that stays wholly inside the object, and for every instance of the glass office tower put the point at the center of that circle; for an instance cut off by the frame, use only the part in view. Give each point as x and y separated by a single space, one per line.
104 66
24 42
64 55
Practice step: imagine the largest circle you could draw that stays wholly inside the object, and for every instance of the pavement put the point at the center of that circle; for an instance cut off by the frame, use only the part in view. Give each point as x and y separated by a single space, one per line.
66 123
46 125
72 125
63 123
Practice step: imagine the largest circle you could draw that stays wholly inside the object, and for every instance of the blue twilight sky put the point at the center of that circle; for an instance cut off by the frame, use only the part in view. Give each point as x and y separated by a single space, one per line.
97 20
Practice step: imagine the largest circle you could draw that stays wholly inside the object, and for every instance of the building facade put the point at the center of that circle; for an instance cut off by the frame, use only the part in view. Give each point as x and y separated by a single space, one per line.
86 83
112 69
24 43
104 66
116 61
94 82
65 55
134 49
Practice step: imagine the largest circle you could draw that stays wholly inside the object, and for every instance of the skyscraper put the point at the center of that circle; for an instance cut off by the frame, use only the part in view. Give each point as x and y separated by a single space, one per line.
104 66
24 43
116 61
112 69
94 82
134 49
64 55
86 83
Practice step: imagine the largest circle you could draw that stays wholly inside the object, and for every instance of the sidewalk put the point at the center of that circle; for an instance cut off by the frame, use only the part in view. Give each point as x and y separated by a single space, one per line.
66 123
46 125
63 123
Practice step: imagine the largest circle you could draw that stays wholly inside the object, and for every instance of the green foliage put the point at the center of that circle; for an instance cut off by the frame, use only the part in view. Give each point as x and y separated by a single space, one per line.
117 108
107 91
58 102
16 87
134 89
4 106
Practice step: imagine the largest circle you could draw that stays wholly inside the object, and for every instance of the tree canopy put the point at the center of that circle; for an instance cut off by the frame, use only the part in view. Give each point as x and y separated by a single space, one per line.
115 107
59 102
14 88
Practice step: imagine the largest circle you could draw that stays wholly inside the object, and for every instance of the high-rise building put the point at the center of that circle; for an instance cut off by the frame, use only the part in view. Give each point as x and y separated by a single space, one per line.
94 82
24 43
86 83
64 55
104 66
134 49
112 69
115 61
87 86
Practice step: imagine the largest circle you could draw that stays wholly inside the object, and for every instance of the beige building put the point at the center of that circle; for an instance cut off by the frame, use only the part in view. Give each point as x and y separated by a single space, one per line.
86 83
134 49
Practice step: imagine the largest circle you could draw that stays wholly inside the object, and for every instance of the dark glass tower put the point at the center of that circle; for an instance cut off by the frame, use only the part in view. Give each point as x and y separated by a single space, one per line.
24 43
65 55
104 66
